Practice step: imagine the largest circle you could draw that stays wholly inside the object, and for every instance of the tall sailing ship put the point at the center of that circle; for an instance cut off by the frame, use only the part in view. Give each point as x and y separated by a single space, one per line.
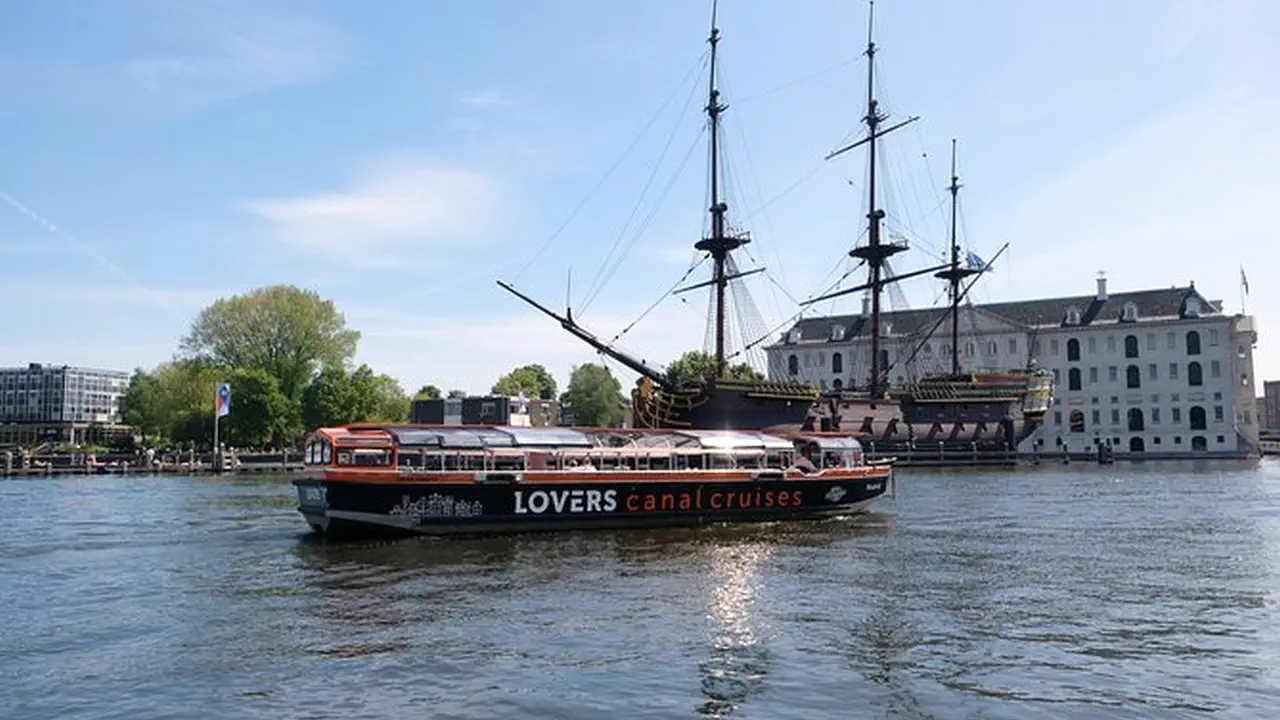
994 409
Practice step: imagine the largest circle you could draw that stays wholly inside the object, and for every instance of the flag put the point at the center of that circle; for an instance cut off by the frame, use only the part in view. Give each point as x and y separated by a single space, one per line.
974 262
224 399
1244 280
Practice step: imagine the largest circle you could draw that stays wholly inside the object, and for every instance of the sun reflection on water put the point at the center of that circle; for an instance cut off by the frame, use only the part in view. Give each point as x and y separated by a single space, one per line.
738 661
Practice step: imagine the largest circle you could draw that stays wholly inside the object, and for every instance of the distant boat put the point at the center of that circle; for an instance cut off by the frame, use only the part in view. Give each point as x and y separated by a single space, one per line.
444 480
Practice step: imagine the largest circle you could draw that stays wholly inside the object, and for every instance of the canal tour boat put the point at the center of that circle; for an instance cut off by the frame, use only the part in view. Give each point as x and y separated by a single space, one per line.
438 480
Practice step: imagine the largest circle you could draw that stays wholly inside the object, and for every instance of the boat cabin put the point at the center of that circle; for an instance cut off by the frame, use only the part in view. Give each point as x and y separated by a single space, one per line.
428 449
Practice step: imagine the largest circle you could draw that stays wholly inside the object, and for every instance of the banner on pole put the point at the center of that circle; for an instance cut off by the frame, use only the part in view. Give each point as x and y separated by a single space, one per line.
224 399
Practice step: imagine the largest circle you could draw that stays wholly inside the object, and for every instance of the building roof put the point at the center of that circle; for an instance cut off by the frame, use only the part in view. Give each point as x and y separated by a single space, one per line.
1049 312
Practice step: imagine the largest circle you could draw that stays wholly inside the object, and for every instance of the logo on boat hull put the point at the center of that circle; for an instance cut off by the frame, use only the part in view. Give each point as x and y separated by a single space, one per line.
835 493
538 502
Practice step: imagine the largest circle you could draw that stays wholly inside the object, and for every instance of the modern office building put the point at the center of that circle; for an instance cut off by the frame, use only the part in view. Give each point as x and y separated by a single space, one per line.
60 404
1152 373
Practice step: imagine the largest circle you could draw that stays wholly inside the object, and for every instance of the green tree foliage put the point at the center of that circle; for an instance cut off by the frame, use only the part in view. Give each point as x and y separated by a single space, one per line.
378 398
336 397
287 332
532 379
428 392
143 405
261 415
697 367
329 400
594 396
457 394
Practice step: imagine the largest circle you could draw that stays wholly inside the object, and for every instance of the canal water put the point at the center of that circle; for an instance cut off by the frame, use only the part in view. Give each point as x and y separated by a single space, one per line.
1134 591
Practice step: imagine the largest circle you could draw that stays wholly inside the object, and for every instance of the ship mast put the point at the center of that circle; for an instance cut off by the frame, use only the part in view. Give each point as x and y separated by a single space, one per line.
874 253
719 244
954 274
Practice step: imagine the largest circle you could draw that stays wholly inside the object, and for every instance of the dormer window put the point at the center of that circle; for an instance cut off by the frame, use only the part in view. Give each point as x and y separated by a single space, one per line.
837 333
1073 316
1130 313
793 336
1192 308
885 328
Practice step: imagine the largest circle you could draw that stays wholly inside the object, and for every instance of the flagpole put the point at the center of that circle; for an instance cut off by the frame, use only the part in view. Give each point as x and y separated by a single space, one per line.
217 456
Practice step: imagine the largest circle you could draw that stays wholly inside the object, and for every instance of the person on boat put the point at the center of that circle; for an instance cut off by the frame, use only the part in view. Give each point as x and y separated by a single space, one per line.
804 462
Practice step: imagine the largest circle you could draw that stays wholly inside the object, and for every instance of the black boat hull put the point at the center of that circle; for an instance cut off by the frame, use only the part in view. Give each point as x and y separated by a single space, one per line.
340 508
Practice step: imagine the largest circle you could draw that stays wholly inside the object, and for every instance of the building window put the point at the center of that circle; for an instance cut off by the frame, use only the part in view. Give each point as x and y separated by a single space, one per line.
1194 374
993 348
1013 346
1215 369
1133 377
1097 417
1053 347
1199 444
1073 379
1131 346
1093 375
1151 371
1035 347
1177 415
1173 371
1057 377
1155 416
1093 345
837 385
1115 416
1193 342
1073 350
1217 413
928 348
1198 418
968 349
1137 445
1077 421
1213 337
1151 341
1135 420
1173 343
793 365
1221 439
1113 374
1057 417
1111 343
837 363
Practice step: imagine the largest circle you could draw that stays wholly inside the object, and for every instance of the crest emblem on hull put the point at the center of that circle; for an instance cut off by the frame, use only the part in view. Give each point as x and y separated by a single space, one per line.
835 493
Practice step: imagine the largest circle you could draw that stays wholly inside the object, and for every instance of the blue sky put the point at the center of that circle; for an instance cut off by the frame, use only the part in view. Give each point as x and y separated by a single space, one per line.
400 156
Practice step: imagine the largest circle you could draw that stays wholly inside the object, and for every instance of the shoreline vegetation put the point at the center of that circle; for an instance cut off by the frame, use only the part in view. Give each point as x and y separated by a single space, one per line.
288 357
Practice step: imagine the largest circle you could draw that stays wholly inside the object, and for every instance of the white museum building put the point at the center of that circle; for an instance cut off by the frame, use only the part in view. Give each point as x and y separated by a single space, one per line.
1153 373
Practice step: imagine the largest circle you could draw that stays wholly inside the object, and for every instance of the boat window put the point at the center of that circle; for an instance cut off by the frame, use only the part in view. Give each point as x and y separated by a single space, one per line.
313 453
433 461
326 452
409 460
364 456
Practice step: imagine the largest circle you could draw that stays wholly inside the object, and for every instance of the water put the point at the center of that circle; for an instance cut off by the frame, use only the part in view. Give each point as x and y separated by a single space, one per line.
1126 591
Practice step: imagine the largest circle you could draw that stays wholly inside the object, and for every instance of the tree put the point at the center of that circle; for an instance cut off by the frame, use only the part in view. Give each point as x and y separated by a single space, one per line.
329 400
428 392
261 414
457 394
142 405
531 379
378 398
289 333
594 396
697 367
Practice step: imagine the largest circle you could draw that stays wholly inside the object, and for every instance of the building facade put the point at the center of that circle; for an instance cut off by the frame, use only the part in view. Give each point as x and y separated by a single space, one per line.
48 403
1271 401
1152 373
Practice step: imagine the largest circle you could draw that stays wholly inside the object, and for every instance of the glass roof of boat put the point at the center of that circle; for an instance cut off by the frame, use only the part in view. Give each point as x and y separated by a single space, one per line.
535 436
735 439
450 437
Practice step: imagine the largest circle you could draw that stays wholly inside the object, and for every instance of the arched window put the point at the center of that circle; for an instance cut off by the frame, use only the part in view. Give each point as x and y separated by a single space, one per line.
1199 444
1073 379
837 363
793 365
1136 423
1136 444
1073 349
1198 421
837 384
1195 375
884 360
1133 376
1193 342
1077 421
1131 346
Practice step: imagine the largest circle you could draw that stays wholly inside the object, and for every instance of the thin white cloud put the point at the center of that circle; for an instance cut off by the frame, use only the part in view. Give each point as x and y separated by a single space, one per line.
388 215
229 50
486 99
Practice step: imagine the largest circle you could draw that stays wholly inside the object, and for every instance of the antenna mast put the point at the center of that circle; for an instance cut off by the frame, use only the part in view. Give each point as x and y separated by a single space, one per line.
718 244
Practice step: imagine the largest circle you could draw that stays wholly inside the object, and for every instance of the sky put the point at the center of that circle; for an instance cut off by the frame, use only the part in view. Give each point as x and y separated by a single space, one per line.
400 157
